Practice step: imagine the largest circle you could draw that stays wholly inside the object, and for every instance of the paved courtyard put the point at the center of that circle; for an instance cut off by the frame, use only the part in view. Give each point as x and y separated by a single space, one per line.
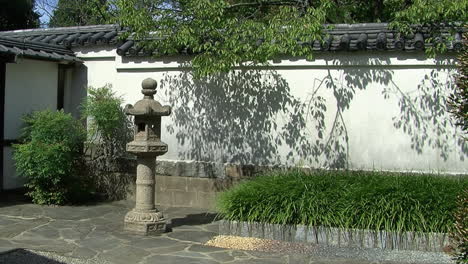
94 234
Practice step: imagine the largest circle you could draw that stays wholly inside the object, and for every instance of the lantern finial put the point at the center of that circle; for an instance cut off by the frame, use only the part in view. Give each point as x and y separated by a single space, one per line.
149 88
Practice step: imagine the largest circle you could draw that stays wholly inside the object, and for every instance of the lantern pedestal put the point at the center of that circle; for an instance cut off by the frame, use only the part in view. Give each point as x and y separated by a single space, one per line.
145 219
145 223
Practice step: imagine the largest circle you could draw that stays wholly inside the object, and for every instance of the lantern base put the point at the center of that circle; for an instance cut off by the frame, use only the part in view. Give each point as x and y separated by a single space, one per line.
145 222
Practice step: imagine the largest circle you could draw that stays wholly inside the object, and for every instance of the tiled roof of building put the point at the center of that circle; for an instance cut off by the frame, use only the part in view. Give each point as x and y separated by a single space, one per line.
68 36
11 47
342 37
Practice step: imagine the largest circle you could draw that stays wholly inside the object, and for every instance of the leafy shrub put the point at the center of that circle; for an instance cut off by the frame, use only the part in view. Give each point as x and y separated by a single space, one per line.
459 234
346 199
109 131
458 100
49 156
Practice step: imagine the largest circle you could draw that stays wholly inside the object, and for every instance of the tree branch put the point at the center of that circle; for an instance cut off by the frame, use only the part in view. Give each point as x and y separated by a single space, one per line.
104 18
167 9
275 3
44 6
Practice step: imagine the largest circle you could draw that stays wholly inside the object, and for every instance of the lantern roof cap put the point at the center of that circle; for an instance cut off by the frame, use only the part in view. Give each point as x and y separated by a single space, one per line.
148 106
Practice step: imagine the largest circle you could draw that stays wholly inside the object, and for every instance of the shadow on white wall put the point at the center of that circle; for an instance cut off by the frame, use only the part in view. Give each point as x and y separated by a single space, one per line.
251 116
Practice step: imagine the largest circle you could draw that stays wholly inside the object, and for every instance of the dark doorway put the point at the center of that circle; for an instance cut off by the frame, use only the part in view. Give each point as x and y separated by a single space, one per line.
62 70
2 118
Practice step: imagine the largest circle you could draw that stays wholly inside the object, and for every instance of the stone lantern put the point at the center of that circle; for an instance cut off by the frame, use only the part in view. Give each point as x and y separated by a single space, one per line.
147 145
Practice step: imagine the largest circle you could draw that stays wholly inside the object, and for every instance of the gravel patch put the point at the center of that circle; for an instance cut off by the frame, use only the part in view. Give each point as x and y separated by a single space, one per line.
258 244
22 256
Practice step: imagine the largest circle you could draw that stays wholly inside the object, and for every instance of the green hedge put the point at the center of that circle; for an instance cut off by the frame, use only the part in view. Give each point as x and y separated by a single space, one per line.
49 158
347 199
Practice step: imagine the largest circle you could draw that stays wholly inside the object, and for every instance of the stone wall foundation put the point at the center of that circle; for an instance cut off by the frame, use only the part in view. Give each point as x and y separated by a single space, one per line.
177 191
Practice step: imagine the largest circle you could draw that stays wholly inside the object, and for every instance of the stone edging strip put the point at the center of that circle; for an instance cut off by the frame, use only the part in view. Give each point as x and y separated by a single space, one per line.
433 242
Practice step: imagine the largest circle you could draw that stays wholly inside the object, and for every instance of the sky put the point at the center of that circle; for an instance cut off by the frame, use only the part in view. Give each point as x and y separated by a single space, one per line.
44 8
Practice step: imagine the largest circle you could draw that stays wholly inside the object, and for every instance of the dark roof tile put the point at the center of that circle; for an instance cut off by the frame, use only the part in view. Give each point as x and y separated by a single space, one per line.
68 36
36 50
341 37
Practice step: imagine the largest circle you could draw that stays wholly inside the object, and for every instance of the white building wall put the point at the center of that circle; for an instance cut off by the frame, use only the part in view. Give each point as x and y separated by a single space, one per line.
383 111
30 85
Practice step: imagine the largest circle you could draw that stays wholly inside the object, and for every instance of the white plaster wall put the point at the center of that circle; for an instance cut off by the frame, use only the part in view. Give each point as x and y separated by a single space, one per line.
75 89
99 66
29 85
210 121
11 180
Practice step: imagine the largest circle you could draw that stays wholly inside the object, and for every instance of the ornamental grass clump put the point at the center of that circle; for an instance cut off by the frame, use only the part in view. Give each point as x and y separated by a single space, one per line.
459 234
347 199
50 157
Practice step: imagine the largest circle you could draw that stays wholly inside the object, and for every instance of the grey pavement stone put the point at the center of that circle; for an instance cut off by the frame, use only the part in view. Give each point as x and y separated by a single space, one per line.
190 254
60 224
165 259
5 221
239 254
108 228
71 234
260 261
44 232
5 243
67 213
124 255
193 236
100 244
204 249
83 252
44 244
103 222
84 230
168 250
13 230
222 257
77 212
126 237
53 247
154 242
22 211
114 215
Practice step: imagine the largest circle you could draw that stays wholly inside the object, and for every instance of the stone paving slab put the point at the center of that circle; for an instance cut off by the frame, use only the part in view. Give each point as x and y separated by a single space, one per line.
94 234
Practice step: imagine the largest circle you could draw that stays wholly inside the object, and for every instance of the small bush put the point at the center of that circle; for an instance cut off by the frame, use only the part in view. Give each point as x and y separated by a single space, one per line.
49 157
459 234
346 199
109 131
108 120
